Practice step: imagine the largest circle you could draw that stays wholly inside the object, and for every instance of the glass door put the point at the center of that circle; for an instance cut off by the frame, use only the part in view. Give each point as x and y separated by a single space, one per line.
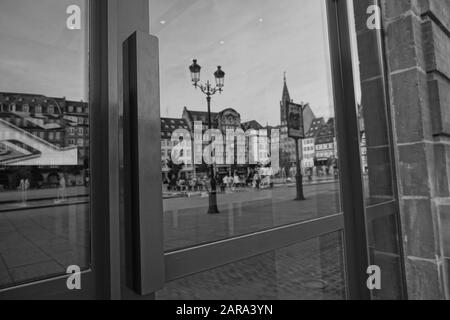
251 171
269 183
47 212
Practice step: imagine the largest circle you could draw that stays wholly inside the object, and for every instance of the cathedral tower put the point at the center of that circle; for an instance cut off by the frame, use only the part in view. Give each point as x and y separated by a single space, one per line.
285 98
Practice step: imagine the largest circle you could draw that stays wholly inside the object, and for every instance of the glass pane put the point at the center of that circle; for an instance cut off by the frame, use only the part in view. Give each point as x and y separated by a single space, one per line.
372 107
44 139
241 176
313 270
383 231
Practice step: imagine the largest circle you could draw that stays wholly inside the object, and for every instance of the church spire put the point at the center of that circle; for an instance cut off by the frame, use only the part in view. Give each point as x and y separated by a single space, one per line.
286 96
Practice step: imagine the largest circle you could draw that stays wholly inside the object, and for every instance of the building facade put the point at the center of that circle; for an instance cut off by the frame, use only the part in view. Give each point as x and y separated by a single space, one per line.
325 144
288 157
390 208
59 134
309 144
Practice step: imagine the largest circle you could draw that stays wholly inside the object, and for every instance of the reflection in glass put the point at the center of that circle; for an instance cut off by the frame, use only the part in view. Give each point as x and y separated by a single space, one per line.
44 140
382 223
312 270
252 155
372 108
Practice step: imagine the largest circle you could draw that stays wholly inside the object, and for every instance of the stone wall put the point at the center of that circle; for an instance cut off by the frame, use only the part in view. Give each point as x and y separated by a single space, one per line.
418 54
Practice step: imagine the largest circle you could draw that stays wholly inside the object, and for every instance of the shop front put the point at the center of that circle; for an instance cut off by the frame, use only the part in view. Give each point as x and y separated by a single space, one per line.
83 165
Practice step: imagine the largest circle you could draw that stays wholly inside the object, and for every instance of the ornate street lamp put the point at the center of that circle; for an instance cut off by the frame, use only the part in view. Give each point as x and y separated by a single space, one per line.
195 72
209 91
220 77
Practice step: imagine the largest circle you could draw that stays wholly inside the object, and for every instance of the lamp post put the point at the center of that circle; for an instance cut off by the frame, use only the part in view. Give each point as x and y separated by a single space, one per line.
209 91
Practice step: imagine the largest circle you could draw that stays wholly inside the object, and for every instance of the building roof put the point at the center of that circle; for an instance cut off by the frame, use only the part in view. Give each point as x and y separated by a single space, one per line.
169 125
31 100
316 127
202 116
253 124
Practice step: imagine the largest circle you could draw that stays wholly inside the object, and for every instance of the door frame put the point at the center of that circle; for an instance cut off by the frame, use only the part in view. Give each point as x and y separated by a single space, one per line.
351 221
95 281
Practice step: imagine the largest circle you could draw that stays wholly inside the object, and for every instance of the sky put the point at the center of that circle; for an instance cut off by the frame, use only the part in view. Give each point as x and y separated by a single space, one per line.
255 42
38 53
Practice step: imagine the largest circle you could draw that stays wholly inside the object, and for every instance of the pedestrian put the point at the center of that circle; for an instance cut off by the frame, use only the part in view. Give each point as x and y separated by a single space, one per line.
193 184
22 190
27 187
256 180
224 183
62 188
236 181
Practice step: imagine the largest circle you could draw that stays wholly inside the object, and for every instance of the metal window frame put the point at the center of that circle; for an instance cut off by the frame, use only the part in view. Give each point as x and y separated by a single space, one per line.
183 263
193 260
96 282
356 243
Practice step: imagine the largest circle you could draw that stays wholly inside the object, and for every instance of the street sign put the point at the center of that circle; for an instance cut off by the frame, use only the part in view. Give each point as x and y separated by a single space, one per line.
296 129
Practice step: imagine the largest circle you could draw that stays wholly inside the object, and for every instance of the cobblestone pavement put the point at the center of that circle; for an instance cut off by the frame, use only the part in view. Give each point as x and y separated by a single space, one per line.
309 270
36 243
186 222
312 270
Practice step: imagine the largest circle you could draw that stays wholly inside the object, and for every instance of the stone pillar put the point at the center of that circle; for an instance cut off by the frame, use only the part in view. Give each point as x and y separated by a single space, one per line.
418 54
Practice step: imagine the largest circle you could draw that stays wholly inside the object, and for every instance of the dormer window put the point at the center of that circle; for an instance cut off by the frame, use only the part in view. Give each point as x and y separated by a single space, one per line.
51 110
38 109
25 108
12 108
